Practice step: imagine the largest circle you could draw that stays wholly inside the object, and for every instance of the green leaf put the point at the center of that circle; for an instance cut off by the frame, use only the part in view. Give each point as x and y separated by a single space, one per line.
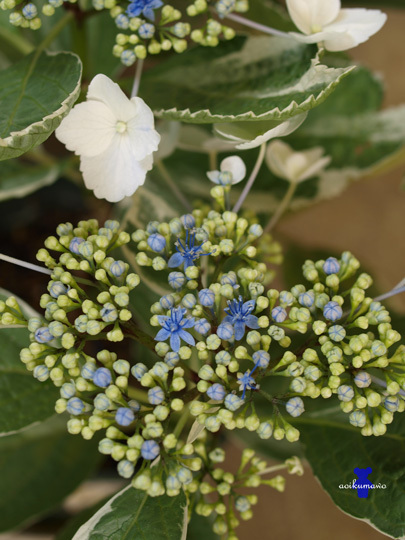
71 527
255 78
200 528
18 179
23 399
334 448
133 514
39 467
35 95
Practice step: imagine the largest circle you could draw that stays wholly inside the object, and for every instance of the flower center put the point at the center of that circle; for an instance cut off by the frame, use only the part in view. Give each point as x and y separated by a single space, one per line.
120 127
316 28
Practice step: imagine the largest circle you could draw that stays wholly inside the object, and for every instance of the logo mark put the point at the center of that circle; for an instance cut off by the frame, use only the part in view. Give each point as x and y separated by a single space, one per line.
363 484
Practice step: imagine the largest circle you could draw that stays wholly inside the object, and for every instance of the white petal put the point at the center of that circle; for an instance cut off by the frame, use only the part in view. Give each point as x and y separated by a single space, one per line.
213 176
88 129
281 130
277 154
116 173
108 92
144 138
312 15
236 166
314 169
359 24
352 27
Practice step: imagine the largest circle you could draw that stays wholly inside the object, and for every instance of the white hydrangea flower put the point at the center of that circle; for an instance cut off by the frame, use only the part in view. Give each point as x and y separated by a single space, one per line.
295 166
247 135
114 137
232 171
323 21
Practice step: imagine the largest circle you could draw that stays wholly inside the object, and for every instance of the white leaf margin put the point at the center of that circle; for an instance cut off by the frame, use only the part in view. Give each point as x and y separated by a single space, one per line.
19 142
316 74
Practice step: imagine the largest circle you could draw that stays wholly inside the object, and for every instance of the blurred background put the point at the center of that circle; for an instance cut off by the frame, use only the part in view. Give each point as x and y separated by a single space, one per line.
368 219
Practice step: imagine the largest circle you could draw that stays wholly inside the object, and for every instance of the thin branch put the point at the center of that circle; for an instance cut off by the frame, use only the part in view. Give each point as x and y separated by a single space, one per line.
252 178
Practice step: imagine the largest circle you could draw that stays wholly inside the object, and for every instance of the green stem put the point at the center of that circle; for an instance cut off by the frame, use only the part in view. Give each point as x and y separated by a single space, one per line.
15 40
282 208
252 178
59 26
172 185
181 422
140 336
266 396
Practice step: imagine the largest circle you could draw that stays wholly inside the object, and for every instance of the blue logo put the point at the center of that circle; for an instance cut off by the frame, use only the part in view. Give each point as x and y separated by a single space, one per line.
362 484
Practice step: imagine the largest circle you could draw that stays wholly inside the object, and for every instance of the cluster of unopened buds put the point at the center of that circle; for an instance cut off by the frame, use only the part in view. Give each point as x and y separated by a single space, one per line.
145 26
216 335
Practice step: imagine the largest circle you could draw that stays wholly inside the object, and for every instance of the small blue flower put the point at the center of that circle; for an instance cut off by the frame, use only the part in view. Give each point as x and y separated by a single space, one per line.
233 402
128 56
81 323
345 392
74 244
87 371
139 370
176 280
261 358
216 392
225 331
75 406
156 396
230 279
172 359
332 311
246 381
122 22
223 358
362 379
57 288
202 326
57 329
29 11
187 252
174 327
41 373
279 314
377 348
331 266
43 335
206 297
134 405
337 332
167 301
189 301
109 313
125 468
295 406
145 7
156 242
117 268
67 390
146 30
306 299
124 416
102 402
102 377
150 450
188 221
112 224
239 315
358 419
391 403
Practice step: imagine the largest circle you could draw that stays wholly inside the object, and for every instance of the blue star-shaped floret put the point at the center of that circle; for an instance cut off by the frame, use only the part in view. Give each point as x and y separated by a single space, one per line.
145 7
174 326
187 252
240 316
246 381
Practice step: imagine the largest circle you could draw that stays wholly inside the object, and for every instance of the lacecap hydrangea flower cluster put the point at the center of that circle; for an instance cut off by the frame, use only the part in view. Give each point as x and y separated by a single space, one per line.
144 26
216 337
